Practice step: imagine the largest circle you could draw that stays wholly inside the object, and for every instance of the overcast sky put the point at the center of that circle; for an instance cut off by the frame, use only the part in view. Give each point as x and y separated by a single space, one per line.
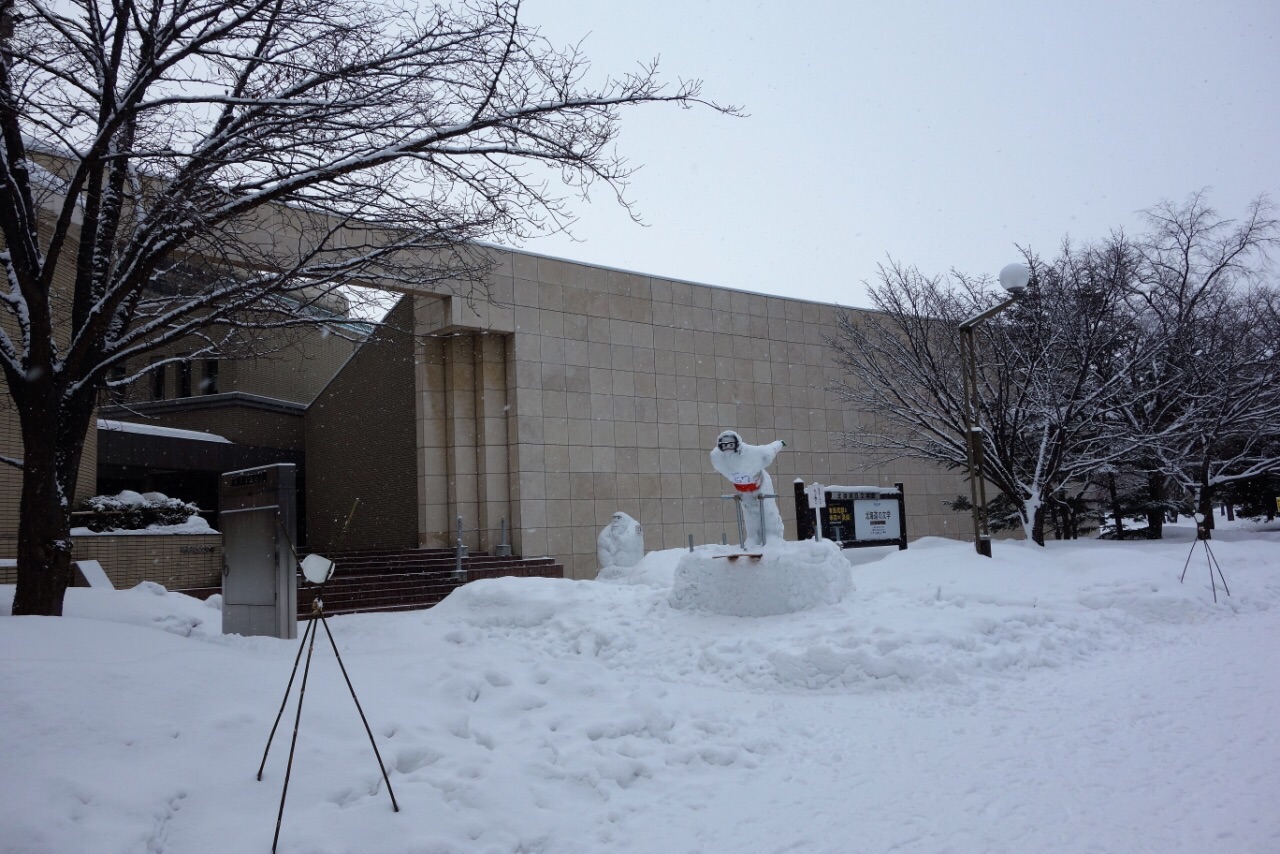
940 133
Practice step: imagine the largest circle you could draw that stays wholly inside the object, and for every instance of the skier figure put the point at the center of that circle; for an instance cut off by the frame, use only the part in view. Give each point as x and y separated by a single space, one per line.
744 465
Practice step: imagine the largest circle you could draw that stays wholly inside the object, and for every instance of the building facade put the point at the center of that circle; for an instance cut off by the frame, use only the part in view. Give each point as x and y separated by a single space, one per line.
575 392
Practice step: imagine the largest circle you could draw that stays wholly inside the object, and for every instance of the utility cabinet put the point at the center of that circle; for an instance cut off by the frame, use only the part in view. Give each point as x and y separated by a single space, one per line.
258 520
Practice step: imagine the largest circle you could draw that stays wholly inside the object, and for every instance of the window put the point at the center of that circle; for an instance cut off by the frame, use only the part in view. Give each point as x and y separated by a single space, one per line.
157 382
209 385
184 379
116 394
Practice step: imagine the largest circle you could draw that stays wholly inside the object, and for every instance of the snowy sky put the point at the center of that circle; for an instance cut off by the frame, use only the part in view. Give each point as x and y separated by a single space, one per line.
942 134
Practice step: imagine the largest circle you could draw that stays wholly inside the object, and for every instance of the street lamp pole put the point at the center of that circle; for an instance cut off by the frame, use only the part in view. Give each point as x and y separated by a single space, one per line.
1014 279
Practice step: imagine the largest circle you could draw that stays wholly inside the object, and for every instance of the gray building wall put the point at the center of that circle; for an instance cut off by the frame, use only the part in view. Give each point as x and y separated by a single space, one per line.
360 445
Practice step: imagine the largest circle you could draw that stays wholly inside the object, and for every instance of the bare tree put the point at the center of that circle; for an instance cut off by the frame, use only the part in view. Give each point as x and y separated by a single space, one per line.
1231 382
1200 296
1155 358
172 169
1049 415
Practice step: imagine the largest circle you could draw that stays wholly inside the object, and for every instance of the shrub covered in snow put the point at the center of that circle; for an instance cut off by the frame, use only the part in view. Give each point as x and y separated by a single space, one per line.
132 511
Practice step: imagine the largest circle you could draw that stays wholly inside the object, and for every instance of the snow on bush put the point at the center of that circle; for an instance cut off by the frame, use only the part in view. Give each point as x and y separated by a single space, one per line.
132 511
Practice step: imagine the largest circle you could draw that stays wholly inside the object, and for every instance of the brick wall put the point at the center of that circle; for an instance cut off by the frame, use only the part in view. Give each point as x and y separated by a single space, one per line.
10 477
176 561
360 444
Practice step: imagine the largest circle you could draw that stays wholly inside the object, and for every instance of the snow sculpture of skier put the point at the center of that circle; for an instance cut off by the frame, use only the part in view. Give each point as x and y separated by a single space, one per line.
621 543
744 465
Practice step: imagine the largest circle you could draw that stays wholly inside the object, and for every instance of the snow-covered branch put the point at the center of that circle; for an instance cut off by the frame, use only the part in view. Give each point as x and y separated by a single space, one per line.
173 169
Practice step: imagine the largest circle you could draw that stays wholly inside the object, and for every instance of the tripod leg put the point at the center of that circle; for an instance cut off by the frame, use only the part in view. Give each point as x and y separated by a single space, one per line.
363 719
301 646
1208 559
1182 578
1213 564
302 693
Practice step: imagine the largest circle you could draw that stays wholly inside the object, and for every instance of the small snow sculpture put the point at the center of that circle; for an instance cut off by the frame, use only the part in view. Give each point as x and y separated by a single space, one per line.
621 543
744 465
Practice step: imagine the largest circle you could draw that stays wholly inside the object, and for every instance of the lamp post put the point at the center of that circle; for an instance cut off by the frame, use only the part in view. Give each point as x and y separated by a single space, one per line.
1014 279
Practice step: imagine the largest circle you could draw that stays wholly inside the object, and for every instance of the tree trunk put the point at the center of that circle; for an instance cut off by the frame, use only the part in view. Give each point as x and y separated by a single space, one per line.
44 535
52 447
1037 525
1156 511
1204 507
1116 514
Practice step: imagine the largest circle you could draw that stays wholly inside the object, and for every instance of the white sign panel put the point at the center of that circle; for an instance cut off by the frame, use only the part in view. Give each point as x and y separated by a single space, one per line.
817 496
876 520
94 574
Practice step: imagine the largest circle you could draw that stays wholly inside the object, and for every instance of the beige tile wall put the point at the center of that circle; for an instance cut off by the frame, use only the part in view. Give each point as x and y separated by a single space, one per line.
463 423
621 382
175 561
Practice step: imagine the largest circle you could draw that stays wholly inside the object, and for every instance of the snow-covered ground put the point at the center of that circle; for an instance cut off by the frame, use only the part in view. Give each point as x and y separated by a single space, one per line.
1069 699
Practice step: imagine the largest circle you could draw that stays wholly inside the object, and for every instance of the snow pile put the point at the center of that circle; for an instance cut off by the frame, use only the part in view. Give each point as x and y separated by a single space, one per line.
131 512
1074 698
784 578
655 569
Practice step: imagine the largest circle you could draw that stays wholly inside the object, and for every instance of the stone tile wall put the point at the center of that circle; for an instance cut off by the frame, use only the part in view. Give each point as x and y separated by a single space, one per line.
618 384
177 561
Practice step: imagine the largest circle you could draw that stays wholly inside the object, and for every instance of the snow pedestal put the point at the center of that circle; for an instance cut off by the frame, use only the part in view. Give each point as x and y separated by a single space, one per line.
787 577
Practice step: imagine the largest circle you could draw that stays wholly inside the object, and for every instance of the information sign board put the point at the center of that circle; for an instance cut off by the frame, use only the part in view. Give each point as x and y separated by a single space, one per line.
853 516
876 520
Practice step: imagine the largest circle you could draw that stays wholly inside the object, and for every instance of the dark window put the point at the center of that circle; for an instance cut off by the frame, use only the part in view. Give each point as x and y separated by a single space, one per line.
115 394
209 385
184 379
157 383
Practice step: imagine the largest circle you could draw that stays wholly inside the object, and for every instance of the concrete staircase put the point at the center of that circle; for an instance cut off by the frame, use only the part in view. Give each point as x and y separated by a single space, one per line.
377 580
382 580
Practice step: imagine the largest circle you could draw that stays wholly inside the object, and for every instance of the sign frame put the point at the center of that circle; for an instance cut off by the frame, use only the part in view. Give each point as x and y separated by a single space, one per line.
837 519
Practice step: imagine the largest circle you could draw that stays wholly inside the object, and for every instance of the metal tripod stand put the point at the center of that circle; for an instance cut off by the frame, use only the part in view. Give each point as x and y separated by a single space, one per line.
1202 536
309 641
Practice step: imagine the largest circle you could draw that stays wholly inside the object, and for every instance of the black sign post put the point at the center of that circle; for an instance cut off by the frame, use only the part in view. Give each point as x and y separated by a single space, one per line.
855 516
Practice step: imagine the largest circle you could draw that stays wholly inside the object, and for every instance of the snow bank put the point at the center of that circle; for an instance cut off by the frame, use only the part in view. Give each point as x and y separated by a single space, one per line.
785 578
1074 698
